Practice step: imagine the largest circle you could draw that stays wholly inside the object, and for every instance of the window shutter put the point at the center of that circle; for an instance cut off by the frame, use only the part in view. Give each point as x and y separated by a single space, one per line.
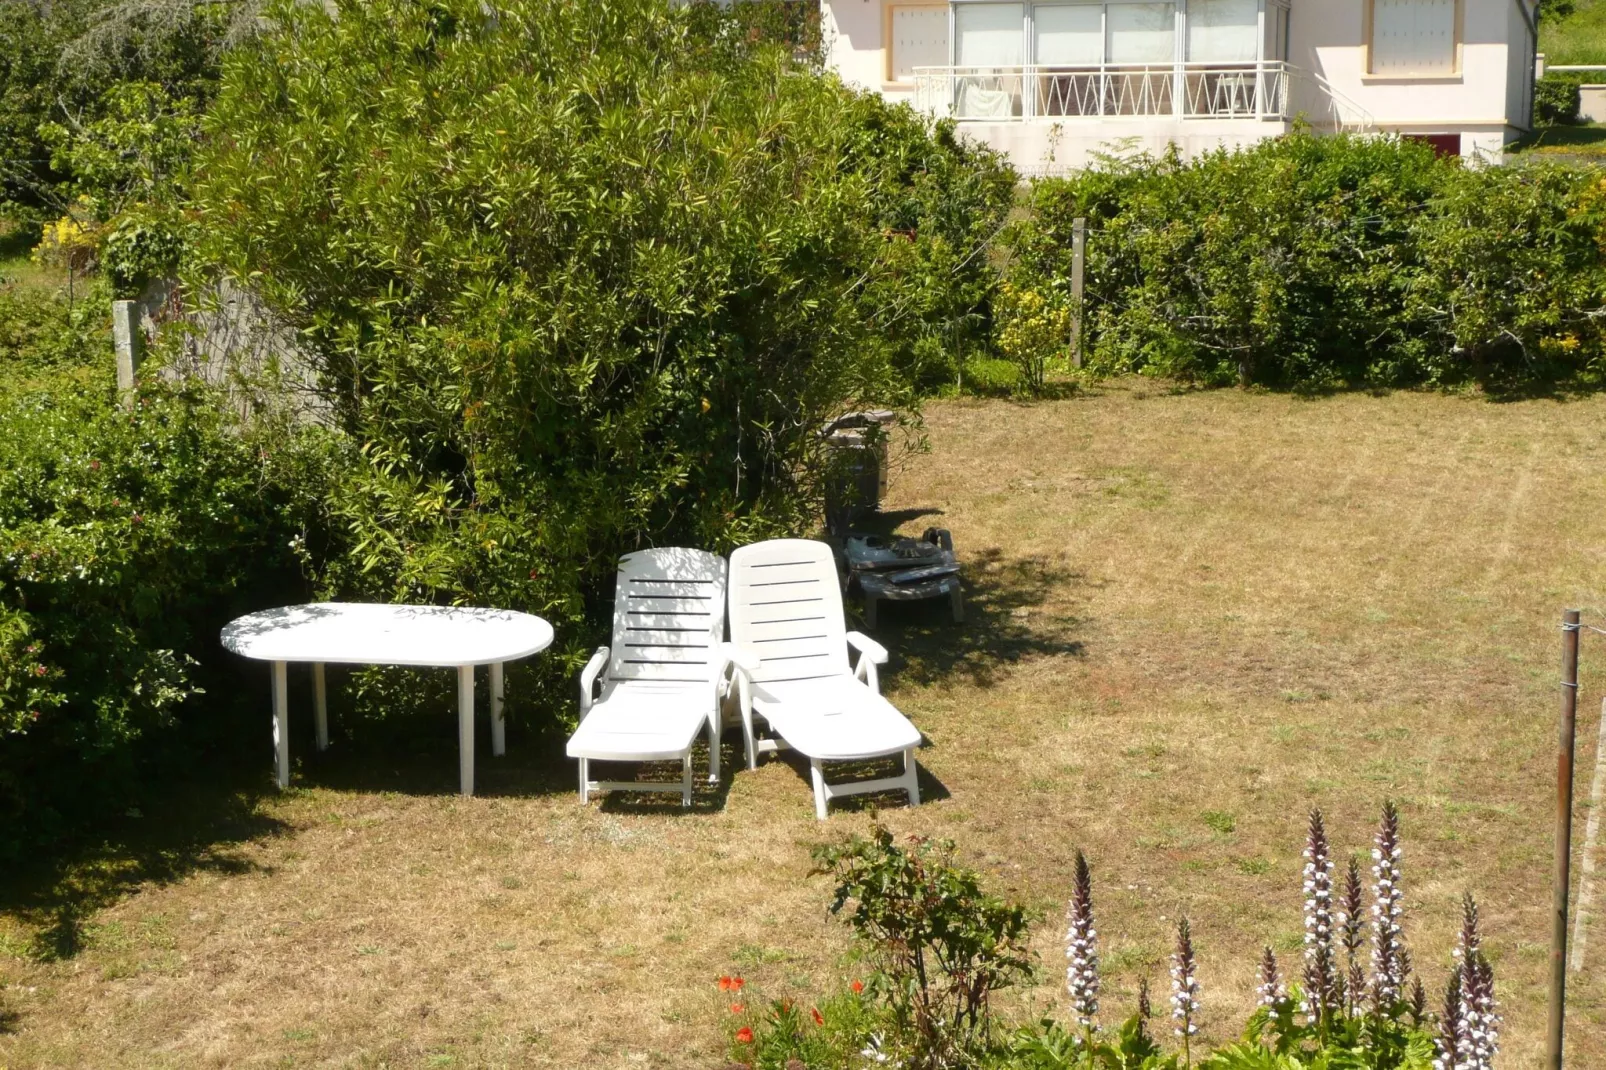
1413 36
919 39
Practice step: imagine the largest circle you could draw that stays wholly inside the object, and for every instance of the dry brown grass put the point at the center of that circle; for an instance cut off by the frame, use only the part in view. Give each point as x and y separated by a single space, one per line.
1194 617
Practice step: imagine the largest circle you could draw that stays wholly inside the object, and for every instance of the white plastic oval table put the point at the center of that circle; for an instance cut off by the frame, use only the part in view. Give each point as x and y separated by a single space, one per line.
362 633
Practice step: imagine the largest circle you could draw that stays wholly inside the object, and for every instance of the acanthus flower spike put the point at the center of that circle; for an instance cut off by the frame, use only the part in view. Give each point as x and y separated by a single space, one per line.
1321 982
1388 939
1352 935
1185 990
1271 991
1082 948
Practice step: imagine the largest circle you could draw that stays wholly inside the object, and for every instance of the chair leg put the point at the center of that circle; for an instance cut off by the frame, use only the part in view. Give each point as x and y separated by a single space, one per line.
819 788
713 749
685 780
956 601
585 781
912 773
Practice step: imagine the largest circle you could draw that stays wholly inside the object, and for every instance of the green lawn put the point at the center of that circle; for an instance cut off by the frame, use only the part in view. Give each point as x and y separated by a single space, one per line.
1192 616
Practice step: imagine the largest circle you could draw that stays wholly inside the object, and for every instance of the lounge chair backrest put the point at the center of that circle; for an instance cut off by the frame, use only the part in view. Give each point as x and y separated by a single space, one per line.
786 607
668 616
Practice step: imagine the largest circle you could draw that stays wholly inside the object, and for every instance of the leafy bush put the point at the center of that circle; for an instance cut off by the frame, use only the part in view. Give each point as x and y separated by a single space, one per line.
127 538
1033 332
578 278
44 336
1320 262
1556 98
940 945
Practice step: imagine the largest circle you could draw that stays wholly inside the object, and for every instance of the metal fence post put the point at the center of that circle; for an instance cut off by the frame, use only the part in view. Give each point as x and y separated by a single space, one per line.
1564 838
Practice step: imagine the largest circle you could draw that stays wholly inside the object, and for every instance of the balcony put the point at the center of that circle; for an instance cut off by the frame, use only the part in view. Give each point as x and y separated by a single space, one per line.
1247 90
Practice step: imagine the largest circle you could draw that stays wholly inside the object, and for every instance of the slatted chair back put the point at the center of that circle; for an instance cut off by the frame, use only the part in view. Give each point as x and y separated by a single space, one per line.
786 607
668 617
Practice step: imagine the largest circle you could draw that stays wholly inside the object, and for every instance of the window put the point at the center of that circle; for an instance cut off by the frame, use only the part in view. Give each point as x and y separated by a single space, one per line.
918 37
1143 34
1223 31
989 35
1413 37
1068 35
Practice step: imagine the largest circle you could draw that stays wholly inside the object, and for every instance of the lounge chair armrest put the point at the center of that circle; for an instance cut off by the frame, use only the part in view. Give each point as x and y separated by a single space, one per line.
868 647
588 679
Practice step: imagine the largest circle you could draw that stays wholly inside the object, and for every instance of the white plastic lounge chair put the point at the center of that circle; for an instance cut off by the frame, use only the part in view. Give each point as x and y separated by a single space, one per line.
791 653
661 681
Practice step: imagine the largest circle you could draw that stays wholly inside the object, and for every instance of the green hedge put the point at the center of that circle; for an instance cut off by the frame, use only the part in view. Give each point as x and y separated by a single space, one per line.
128 537
1322 262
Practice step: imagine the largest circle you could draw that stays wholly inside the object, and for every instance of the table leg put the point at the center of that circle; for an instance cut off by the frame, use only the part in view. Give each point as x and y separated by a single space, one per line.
320 705
281 725
498 729
465 727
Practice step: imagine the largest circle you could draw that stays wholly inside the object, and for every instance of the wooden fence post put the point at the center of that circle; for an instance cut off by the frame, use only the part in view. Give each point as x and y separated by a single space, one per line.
126 336
1564 838
1078 280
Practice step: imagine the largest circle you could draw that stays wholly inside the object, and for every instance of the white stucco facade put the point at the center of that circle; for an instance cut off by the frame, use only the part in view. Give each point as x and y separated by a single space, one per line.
1085 76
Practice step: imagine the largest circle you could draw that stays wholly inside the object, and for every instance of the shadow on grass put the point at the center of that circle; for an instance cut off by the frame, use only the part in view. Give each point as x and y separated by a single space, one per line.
840 773
188 827
1005 622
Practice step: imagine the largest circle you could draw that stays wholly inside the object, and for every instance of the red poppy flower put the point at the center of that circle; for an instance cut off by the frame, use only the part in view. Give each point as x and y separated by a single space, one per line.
738 1008
736 984
744 1035
819 1019
857 986
724 984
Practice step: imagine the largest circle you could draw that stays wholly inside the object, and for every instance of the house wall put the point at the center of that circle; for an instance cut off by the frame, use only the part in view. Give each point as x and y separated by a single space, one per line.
1483 101
1486 102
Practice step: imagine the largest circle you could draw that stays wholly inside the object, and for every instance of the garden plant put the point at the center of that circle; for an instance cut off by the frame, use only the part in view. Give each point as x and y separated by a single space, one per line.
938 947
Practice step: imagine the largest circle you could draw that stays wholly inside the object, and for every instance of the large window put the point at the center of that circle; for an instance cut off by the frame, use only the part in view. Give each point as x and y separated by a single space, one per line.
1413 37
1223 31
1068 35
989 35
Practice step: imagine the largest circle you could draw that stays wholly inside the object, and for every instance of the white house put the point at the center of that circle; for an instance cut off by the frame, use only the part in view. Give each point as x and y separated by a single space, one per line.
1050 82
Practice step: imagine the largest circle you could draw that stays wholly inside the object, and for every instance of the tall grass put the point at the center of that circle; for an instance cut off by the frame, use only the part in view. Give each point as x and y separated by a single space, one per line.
1580 38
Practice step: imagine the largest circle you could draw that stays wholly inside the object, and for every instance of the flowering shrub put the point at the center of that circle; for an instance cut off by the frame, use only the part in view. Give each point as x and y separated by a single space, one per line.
1033 331
932 934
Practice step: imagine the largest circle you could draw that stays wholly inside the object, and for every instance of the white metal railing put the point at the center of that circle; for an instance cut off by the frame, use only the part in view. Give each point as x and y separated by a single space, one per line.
1183 90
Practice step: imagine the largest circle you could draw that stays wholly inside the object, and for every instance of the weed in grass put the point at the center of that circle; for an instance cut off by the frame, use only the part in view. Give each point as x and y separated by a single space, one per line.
1221 821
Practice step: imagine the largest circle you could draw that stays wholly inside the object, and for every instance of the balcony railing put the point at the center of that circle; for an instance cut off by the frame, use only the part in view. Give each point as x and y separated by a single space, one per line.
1178 91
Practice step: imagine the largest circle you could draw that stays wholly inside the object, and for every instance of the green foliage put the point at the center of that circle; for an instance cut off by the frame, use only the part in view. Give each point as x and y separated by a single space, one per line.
1556 97
64 64
1047 1045
1033 333
1321 262
44 337
1273 1040
131 153
940 944
579 278
780 1033
127 538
